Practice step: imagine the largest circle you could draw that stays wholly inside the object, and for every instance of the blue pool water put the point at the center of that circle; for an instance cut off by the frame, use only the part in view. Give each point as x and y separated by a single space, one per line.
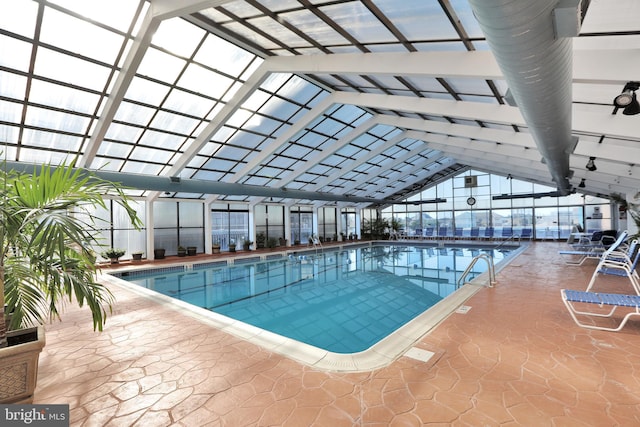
343 301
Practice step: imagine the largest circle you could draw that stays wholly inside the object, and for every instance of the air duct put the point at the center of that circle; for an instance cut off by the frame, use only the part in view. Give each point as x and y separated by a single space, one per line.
537 66
184 185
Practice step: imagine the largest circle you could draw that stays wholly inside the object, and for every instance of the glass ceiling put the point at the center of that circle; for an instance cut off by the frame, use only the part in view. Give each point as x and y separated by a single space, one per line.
132 93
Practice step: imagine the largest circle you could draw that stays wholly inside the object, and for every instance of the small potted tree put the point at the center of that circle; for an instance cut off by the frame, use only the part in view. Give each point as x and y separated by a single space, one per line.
232 246
182 251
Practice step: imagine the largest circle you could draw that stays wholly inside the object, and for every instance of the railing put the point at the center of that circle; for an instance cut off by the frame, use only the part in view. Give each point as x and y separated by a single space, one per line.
492 271
511 238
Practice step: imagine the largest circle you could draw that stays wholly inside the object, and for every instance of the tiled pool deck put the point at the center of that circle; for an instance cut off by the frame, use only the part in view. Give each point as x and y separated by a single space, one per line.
515 358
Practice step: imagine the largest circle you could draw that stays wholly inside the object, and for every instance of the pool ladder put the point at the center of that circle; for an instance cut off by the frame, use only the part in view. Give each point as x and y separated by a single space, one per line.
492 270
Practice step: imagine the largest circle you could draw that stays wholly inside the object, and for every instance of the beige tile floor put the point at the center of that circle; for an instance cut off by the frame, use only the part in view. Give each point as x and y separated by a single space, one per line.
515 359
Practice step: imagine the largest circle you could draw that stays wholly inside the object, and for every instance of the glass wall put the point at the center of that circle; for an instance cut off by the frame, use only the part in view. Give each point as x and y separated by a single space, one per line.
348 224
115 228
269 221
327 224
178 224
301 224
229 224
468 207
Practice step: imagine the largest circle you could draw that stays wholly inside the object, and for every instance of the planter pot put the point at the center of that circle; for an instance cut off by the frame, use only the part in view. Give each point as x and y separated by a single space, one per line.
215 249
136 256
232 248
158 253
19 365
182 252
115 260
191 250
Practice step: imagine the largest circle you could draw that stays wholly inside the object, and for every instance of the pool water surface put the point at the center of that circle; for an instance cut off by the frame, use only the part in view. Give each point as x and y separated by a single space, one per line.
341 301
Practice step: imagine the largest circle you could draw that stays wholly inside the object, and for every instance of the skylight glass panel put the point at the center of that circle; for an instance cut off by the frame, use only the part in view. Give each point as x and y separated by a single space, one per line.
251 35
146 153
146 91
161 66
12 85
15 53
246 139
418 19
279 108
20 18
10 112
162 140
299 90
469 86
307 22
424 84
220 164
114 149
146 168
122 132
221 55
279 31
467 18
43 118
188 103
114 13
134 113
51 140
178 36
240 9
200 80
174 123
281 162
232 152
355 18
71 70
349 151
30 155
9 135
62 30
46 93
296 151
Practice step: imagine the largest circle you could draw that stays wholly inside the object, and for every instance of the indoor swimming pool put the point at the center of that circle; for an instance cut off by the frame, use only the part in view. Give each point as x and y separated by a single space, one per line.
342 301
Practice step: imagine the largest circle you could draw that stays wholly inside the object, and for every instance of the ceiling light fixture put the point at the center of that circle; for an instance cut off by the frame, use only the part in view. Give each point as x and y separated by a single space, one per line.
591 164
627 100
581 185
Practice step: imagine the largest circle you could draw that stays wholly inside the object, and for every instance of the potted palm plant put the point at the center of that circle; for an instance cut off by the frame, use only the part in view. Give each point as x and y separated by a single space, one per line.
113 254
46 257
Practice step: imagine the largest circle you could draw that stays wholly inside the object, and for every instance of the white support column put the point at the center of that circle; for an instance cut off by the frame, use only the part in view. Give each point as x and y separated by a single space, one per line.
148 221
287 224
252 225
358 223
339 223
208 238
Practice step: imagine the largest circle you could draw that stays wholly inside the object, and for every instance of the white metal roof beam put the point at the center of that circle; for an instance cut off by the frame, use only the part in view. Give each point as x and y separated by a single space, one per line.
165 9
589 65
120 87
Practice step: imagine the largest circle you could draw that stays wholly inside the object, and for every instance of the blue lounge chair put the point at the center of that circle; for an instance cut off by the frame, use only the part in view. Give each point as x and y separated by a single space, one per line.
488 233
571 298
475 232
507 232
526 233
596 252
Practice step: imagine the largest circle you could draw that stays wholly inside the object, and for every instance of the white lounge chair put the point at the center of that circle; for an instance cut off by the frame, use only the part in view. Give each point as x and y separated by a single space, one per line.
620 264
595 252
572 298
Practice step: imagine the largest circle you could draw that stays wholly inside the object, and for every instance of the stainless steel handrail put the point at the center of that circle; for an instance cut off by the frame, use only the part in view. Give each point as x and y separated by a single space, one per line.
492 271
